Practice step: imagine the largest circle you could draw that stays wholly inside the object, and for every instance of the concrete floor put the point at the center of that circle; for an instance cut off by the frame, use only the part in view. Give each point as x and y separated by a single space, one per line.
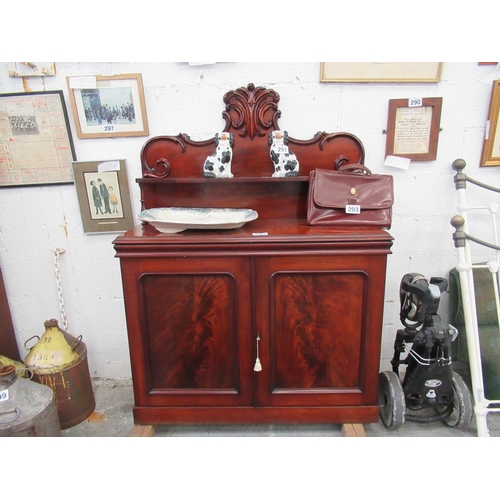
113 418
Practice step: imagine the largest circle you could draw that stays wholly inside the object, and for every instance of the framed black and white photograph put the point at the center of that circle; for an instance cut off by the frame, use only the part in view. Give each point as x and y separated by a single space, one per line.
103 196
108 106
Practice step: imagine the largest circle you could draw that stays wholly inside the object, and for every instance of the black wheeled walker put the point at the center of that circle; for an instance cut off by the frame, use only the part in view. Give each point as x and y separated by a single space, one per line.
430 390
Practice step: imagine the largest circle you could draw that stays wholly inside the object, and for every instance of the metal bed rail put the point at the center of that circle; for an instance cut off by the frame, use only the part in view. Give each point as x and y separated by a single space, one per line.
465 267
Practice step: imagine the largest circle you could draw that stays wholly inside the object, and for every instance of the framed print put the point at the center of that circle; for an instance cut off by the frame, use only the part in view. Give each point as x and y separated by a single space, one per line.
381 71
491 147
21 69
108 106
103 196
413 128
36 146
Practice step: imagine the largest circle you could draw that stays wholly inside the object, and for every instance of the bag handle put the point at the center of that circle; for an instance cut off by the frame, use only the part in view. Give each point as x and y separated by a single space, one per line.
355 168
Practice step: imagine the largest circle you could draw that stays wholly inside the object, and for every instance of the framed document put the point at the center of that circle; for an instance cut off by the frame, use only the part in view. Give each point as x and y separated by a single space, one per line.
491 147
36 146
413 128
103 196
108 106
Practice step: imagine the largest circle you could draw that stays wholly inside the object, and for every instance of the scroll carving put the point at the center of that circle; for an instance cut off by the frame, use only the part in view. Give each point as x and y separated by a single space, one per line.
253 111
160 168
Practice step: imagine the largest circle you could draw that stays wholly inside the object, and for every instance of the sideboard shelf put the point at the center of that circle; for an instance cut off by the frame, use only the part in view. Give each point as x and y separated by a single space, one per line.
233 180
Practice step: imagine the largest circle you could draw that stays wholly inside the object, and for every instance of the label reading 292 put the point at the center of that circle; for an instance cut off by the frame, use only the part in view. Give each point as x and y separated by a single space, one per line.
352 209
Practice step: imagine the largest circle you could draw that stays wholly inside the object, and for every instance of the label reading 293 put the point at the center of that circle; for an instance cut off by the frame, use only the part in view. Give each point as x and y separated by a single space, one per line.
352 209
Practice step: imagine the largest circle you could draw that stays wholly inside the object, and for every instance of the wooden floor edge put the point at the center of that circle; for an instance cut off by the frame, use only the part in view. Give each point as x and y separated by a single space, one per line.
143 431
353 430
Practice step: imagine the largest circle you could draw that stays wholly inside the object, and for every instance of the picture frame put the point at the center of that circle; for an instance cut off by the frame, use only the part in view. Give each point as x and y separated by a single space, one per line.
402 72
491 148
103 196
108 106
36 145
413 128
22 69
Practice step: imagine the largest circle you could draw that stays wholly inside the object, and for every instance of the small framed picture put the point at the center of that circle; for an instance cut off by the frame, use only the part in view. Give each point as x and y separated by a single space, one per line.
491 147
108 106
413 128
103 196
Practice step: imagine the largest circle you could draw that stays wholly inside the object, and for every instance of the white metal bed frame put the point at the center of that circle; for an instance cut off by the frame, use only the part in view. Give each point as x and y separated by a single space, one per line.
465 268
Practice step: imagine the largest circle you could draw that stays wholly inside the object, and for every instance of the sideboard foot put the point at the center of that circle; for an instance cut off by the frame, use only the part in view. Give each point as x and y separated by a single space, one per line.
143 431
353 430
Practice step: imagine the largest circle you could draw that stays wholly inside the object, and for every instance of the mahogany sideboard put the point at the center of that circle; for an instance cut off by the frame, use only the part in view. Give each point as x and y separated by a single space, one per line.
202 306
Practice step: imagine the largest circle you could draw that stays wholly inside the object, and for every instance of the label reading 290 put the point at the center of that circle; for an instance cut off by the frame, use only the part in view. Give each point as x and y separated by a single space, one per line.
352 209
415 101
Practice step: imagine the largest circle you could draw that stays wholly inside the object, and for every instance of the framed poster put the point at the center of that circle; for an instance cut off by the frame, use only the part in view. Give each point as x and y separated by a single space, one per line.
108 106
381 71
491 147
413 128
103 195
36 146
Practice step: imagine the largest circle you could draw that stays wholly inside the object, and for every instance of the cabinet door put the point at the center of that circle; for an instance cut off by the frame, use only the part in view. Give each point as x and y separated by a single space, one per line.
319 319
188 334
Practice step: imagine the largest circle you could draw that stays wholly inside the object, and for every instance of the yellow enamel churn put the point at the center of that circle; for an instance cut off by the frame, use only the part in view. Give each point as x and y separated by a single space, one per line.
27 409
59 361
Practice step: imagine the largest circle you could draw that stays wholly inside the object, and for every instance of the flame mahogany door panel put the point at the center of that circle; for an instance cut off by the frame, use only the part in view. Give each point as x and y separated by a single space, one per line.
319 322
192 345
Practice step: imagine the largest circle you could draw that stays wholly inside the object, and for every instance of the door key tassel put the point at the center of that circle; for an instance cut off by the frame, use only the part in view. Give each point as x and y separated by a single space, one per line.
257 367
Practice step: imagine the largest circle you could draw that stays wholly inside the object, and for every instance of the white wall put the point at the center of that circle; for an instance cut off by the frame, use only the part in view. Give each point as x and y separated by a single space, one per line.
183 98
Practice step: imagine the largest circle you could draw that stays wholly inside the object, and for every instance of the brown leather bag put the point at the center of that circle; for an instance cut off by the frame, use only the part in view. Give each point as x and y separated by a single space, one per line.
350 196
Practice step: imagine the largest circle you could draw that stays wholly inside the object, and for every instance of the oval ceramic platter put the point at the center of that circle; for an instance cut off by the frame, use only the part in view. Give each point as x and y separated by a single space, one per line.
177 219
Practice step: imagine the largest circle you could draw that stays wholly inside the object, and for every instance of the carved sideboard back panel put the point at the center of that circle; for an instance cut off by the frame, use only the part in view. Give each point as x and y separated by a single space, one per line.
250 114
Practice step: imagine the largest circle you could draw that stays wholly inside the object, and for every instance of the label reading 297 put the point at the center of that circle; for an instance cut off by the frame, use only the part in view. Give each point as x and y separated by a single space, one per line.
352 209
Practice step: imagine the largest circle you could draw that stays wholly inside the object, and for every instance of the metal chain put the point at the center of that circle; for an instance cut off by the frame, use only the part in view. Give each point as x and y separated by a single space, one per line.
57 252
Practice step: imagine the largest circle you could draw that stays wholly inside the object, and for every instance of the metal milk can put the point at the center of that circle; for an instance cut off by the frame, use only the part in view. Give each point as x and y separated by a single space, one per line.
26 407
59 360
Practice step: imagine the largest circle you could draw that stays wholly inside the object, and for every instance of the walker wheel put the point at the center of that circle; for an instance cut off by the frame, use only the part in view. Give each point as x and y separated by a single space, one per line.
391 400
463 410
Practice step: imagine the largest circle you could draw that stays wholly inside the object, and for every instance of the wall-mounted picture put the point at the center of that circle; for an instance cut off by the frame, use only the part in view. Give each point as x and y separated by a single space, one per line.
36 146
103 196
413 128
21 69
108 106
381 72
491 148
